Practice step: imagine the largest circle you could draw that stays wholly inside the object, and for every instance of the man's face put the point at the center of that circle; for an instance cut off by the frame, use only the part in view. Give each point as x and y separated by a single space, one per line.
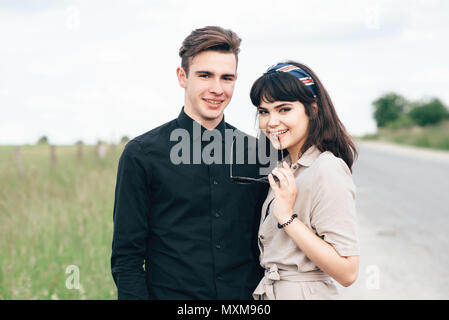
209 85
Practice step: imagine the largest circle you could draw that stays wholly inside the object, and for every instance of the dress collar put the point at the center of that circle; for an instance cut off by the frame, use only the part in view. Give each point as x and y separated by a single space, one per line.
307 158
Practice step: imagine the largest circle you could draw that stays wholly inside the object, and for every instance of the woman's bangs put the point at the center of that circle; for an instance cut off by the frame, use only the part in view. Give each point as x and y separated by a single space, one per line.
274 87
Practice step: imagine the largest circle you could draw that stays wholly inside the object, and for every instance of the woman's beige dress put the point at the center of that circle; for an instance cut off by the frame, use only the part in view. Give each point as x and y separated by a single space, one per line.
325 204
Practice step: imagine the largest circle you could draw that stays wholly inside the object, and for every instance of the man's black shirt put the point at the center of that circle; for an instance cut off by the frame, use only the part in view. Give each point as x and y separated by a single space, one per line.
184 231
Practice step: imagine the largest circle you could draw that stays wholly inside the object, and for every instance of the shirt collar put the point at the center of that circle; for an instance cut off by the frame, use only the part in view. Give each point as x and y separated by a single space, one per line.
308 157
186 122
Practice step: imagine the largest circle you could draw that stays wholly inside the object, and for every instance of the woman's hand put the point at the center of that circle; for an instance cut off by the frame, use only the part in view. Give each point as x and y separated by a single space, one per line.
285 193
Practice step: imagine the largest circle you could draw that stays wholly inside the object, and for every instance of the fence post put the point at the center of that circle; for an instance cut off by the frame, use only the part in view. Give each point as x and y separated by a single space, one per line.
101 150
79 151
19 161
53 156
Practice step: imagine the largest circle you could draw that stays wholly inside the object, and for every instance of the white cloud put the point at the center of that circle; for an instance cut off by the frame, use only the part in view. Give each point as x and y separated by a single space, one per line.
112 55
4 92
112 71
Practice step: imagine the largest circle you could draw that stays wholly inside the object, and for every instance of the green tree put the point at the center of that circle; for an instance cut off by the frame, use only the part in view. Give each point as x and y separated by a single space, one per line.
42 140
429 113
124 139
388 108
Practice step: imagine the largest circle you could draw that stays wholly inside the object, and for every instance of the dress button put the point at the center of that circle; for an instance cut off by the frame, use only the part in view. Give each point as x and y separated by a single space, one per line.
217 246
215 182
261 237
217 214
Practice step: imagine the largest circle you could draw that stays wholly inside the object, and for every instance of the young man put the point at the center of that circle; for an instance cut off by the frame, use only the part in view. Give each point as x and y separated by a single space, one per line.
185 230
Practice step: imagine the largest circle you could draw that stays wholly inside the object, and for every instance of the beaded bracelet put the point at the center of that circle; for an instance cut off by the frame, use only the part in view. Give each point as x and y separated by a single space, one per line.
280 226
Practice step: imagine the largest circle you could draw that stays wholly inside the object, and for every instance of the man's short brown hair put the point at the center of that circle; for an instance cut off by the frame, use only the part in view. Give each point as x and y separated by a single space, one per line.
208 38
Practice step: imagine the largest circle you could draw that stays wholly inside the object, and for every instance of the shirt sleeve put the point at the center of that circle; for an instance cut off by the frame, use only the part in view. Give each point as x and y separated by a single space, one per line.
131 209
333 213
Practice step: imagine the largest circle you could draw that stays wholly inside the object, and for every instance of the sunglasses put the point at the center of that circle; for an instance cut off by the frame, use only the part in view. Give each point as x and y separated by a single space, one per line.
248 180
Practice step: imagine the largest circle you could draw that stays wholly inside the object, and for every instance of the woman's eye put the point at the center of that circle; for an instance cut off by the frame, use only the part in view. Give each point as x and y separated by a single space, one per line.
285 110
260 111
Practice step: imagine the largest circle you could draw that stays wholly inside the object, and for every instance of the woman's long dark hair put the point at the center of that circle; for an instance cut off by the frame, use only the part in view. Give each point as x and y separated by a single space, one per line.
326 131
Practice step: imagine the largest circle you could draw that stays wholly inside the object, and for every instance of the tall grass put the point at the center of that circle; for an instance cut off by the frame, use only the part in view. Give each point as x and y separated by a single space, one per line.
51 218
434 137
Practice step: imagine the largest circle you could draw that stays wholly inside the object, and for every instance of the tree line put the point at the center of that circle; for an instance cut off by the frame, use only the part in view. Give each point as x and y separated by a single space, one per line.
394 111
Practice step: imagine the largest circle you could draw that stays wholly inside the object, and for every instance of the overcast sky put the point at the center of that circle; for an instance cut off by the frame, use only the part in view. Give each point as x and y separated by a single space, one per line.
89 70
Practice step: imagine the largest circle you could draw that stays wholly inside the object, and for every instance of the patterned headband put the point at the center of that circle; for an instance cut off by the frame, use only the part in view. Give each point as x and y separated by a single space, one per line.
303 76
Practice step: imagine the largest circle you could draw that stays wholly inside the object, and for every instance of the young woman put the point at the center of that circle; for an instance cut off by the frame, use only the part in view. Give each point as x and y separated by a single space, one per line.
307 234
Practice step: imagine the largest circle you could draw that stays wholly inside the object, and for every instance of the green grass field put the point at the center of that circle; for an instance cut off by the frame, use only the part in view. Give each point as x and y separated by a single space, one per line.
433 137
51 218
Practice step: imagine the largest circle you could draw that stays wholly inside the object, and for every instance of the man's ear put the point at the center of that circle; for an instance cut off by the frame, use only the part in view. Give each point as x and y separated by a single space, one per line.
182 77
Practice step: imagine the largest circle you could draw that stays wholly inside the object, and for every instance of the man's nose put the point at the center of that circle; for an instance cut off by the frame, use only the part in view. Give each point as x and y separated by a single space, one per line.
216 87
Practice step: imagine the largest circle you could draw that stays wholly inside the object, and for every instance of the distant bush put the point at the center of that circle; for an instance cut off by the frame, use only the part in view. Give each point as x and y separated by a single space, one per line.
429 113
389 108
124 139
42 140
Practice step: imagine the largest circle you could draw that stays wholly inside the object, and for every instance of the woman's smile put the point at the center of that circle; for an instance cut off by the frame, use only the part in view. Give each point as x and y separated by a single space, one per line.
285 121
278 134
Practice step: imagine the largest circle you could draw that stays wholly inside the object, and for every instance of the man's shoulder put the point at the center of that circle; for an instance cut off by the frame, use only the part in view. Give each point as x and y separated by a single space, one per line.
152 139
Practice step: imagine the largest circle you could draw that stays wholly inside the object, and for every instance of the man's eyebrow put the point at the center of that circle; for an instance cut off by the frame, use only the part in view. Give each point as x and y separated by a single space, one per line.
211 73
203 72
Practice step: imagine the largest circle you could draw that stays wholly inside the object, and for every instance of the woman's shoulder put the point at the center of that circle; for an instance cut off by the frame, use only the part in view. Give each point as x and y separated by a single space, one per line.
327 164
331 175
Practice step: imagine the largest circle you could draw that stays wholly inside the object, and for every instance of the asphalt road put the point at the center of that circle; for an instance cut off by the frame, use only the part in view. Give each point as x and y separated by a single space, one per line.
403 219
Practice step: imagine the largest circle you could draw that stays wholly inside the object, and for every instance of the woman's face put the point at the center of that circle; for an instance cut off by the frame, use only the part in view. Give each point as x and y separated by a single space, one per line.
285 120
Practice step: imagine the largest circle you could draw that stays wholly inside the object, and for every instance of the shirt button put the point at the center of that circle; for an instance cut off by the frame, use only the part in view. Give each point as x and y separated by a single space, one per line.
217 246
220 278
215 182
217 214
261 237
